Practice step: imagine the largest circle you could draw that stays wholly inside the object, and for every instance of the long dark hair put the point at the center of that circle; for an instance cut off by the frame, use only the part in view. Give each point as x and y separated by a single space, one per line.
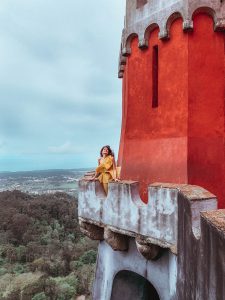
110 151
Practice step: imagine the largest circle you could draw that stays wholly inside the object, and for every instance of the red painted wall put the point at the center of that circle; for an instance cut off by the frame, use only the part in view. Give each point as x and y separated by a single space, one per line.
154 140
206 117
164 143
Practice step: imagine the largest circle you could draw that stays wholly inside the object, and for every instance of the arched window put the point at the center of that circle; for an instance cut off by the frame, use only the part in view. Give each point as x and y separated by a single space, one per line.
128 285
141 3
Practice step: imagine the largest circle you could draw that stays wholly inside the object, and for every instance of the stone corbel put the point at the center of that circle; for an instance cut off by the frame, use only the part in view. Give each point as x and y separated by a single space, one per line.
120 74
126 51
219 25
164 34
188 25
117 241
149 251
92 231
143 44
123 60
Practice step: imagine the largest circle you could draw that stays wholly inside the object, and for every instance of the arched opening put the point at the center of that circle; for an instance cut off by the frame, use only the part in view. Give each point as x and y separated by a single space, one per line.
172 19
128 285
127 49
149 30
204 10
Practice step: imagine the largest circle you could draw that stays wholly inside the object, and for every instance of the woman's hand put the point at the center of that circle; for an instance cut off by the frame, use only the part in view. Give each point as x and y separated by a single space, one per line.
90 177
94 177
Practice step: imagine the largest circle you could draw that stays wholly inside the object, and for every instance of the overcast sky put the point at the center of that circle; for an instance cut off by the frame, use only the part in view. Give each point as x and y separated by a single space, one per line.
60 98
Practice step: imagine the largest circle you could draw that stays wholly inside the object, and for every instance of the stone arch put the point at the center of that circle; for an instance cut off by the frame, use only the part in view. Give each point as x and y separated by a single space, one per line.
128 285
126 51
165 31
176 15
144 42
205 10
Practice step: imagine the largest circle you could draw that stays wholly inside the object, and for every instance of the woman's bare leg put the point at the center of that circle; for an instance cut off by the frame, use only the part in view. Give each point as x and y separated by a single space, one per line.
106 187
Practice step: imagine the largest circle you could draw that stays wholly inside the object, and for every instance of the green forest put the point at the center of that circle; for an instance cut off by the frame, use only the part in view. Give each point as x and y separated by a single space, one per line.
43 254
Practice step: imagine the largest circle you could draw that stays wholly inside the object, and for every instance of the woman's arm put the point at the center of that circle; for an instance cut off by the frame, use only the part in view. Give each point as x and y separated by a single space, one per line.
106 165
96 174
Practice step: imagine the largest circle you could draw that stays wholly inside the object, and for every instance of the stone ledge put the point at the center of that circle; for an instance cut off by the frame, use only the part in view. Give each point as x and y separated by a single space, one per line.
92 231
191 192
123 212
119 239
148 240
215 218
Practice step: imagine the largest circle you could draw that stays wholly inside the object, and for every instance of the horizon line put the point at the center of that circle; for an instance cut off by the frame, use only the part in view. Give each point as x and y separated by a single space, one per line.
46 170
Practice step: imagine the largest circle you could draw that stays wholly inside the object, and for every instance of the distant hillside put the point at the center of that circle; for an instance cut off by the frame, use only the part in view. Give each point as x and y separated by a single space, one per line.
43 254
42 182
50 172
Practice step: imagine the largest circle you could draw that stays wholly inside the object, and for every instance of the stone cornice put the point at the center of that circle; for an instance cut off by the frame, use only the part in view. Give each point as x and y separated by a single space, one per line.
141 22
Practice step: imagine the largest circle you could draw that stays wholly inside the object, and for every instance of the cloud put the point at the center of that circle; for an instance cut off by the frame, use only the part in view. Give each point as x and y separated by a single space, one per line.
3 147
66 148
58 79
2 144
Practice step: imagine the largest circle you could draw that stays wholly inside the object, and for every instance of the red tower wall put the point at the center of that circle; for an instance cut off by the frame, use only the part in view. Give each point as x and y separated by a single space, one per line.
206 116
167 143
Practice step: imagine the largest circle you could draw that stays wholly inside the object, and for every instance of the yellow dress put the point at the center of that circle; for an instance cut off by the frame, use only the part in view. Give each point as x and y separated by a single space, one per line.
106 171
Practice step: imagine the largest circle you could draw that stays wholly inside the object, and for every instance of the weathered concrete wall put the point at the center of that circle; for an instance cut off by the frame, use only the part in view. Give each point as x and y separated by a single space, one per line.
124 212
195 270
201 255
128 285
161 274
212 248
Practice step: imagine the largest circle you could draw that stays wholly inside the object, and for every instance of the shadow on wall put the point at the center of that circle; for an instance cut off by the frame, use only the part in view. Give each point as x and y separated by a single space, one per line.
128 285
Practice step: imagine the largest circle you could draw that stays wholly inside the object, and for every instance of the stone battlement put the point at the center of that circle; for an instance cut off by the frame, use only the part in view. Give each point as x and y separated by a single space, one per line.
141 19
123 212
166 238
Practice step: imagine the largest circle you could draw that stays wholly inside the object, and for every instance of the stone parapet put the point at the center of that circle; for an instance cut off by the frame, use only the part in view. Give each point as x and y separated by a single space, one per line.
123 213
201 258
179 234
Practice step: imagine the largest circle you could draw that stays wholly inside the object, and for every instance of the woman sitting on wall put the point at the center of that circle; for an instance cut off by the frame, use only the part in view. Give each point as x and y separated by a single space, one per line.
106 170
